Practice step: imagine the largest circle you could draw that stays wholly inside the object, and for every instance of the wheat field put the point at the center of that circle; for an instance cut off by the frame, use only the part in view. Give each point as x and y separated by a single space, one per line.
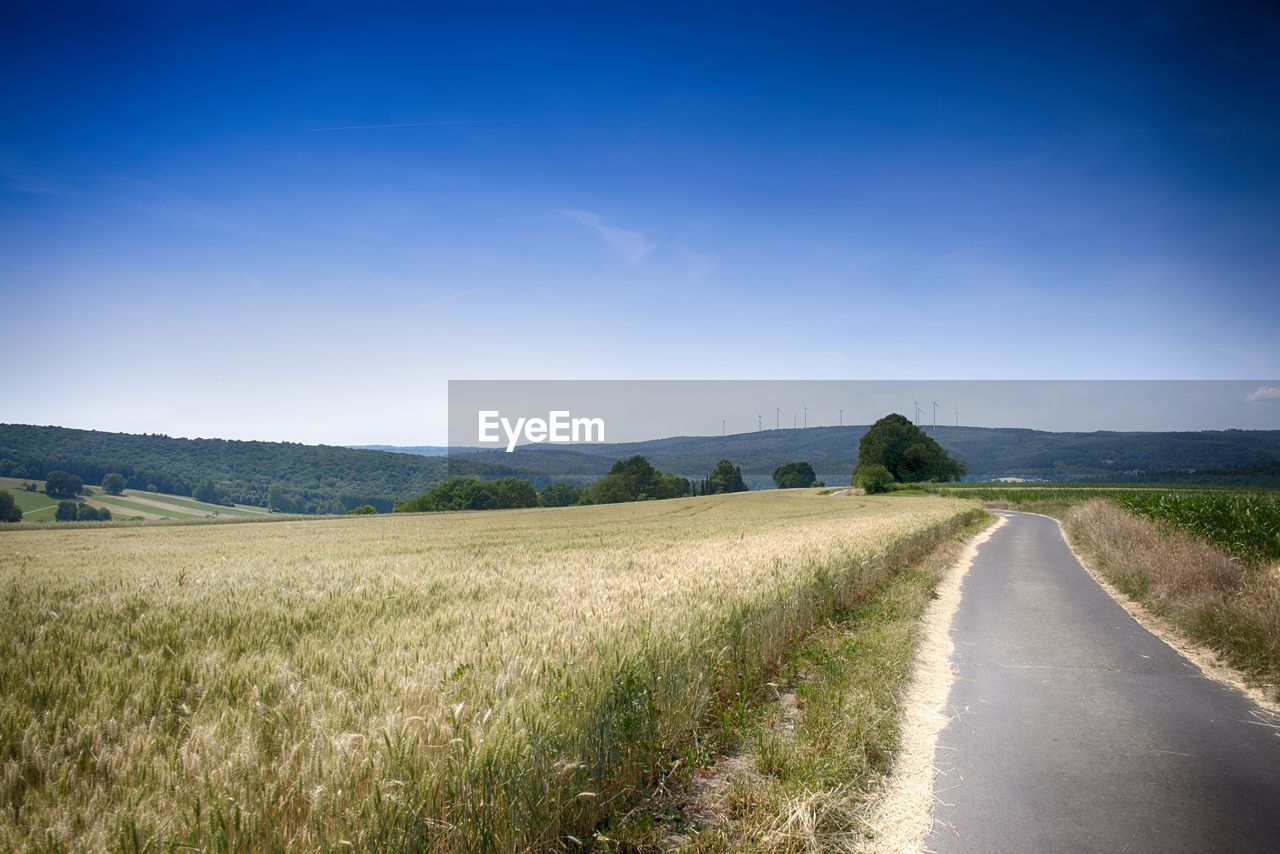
500 680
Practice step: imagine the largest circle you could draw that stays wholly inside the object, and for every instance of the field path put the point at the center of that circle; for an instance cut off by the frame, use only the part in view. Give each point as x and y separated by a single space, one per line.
1076 729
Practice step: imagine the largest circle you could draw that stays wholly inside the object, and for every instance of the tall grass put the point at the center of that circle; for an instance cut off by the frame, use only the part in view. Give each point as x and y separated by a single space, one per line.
501 680
1213 596
1244 522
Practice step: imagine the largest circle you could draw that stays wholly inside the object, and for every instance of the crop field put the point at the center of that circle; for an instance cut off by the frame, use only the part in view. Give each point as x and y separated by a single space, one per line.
503 679
132 504
1245 523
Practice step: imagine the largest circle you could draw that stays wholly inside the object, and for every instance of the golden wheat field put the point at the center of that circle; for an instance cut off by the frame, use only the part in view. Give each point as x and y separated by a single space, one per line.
498 680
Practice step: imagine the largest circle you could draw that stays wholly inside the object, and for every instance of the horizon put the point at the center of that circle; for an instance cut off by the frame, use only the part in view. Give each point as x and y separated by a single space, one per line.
393 448
302 227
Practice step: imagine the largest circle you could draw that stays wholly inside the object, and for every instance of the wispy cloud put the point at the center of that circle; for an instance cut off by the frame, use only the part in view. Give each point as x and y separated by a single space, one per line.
631 246
1264 392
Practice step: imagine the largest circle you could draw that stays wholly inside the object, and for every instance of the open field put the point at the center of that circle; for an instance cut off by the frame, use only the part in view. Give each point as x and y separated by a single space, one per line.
35 506
455 681
1244 522
38 507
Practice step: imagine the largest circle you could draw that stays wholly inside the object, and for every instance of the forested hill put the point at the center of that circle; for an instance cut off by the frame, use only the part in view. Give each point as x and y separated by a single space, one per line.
328 479
306 478
1234 456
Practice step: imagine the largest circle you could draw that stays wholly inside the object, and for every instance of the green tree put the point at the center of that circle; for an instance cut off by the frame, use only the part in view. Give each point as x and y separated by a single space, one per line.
632 479
279 499
92 514
207 491
513 492
873 478
60 484
726 477
468 493
67 511
9 509
560 495
794 476
113 483
909 454
363 510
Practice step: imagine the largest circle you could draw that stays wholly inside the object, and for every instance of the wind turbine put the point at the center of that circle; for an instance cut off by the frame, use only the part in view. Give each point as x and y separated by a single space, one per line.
841 417
957 416
935 415
777 417
722 428
760 422
806 415
917 403
795 421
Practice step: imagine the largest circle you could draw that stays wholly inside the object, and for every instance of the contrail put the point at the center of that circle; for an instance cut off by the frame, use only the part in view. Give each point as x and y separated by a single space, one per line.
412 125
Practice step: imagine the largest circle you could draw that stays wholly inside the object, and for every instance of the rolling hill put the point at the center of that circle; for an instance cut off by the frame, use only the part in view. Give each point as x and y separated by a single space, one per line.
1235 456
333 479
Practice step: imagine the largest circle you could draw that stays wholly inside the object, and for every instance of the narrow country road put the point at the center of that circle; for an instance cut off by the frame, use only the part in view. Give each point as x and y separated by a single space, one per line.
1076 729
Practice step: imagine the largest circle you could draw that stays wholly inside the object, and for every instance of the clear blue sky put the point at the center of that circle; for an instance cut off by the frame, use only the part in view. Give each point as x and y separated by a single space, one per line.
298 224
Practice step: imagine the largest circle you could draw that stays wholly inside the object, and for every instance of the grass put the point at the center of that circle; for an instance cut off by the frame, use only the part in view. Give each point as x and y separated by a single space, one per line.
1210 595
201 508
500 680
35 506
1244 522
38 507
801 771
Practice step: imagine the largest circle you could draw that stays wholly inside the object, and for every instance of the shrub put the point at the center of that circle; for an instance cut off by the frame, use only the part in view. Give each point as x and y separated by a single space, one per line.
363 510
9 510
794 476
67 511
873 478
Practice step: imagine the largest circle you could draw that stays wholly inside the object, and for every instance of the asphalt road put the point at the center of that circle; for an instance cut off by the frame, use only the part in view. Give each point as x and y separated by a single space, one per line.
1078 730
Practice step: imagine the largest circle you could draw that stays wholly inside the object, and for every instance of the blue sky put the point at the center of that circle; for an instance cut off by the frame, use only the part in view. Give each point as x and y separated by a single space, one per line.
300 224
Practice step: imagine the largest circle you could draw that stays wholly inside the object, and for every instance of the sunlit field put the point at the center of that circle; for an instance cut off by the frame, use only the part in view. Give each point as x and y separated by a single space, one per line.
500 679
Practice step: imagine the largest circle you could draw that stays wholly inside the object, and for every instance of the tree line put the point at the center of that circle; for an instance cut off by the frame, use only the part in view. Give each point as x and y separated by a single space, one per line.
632 479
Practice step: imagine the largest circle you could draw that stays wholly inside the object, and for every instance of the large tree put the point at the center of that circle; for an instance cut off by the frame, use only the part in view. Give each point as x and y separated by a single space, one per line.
60 484
909 453
794 476
726 477
113 483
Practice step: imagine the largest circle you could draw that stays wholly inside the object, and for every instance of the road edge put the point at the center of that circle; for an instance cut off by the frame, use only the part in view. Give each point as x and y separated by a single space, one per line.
1205 659
902 817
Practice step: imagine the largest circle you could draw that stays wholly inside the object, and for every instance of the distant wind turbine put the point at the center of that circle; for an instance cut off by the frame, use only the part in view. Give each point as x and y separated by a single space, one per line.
935 415
806 415
759 422
957 416
841 417
777 417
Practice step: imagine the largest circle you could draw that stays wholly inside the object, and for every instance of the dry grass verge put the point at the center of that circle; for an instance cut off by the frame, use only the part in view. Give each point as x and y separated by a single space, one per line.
1212 597
804 768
